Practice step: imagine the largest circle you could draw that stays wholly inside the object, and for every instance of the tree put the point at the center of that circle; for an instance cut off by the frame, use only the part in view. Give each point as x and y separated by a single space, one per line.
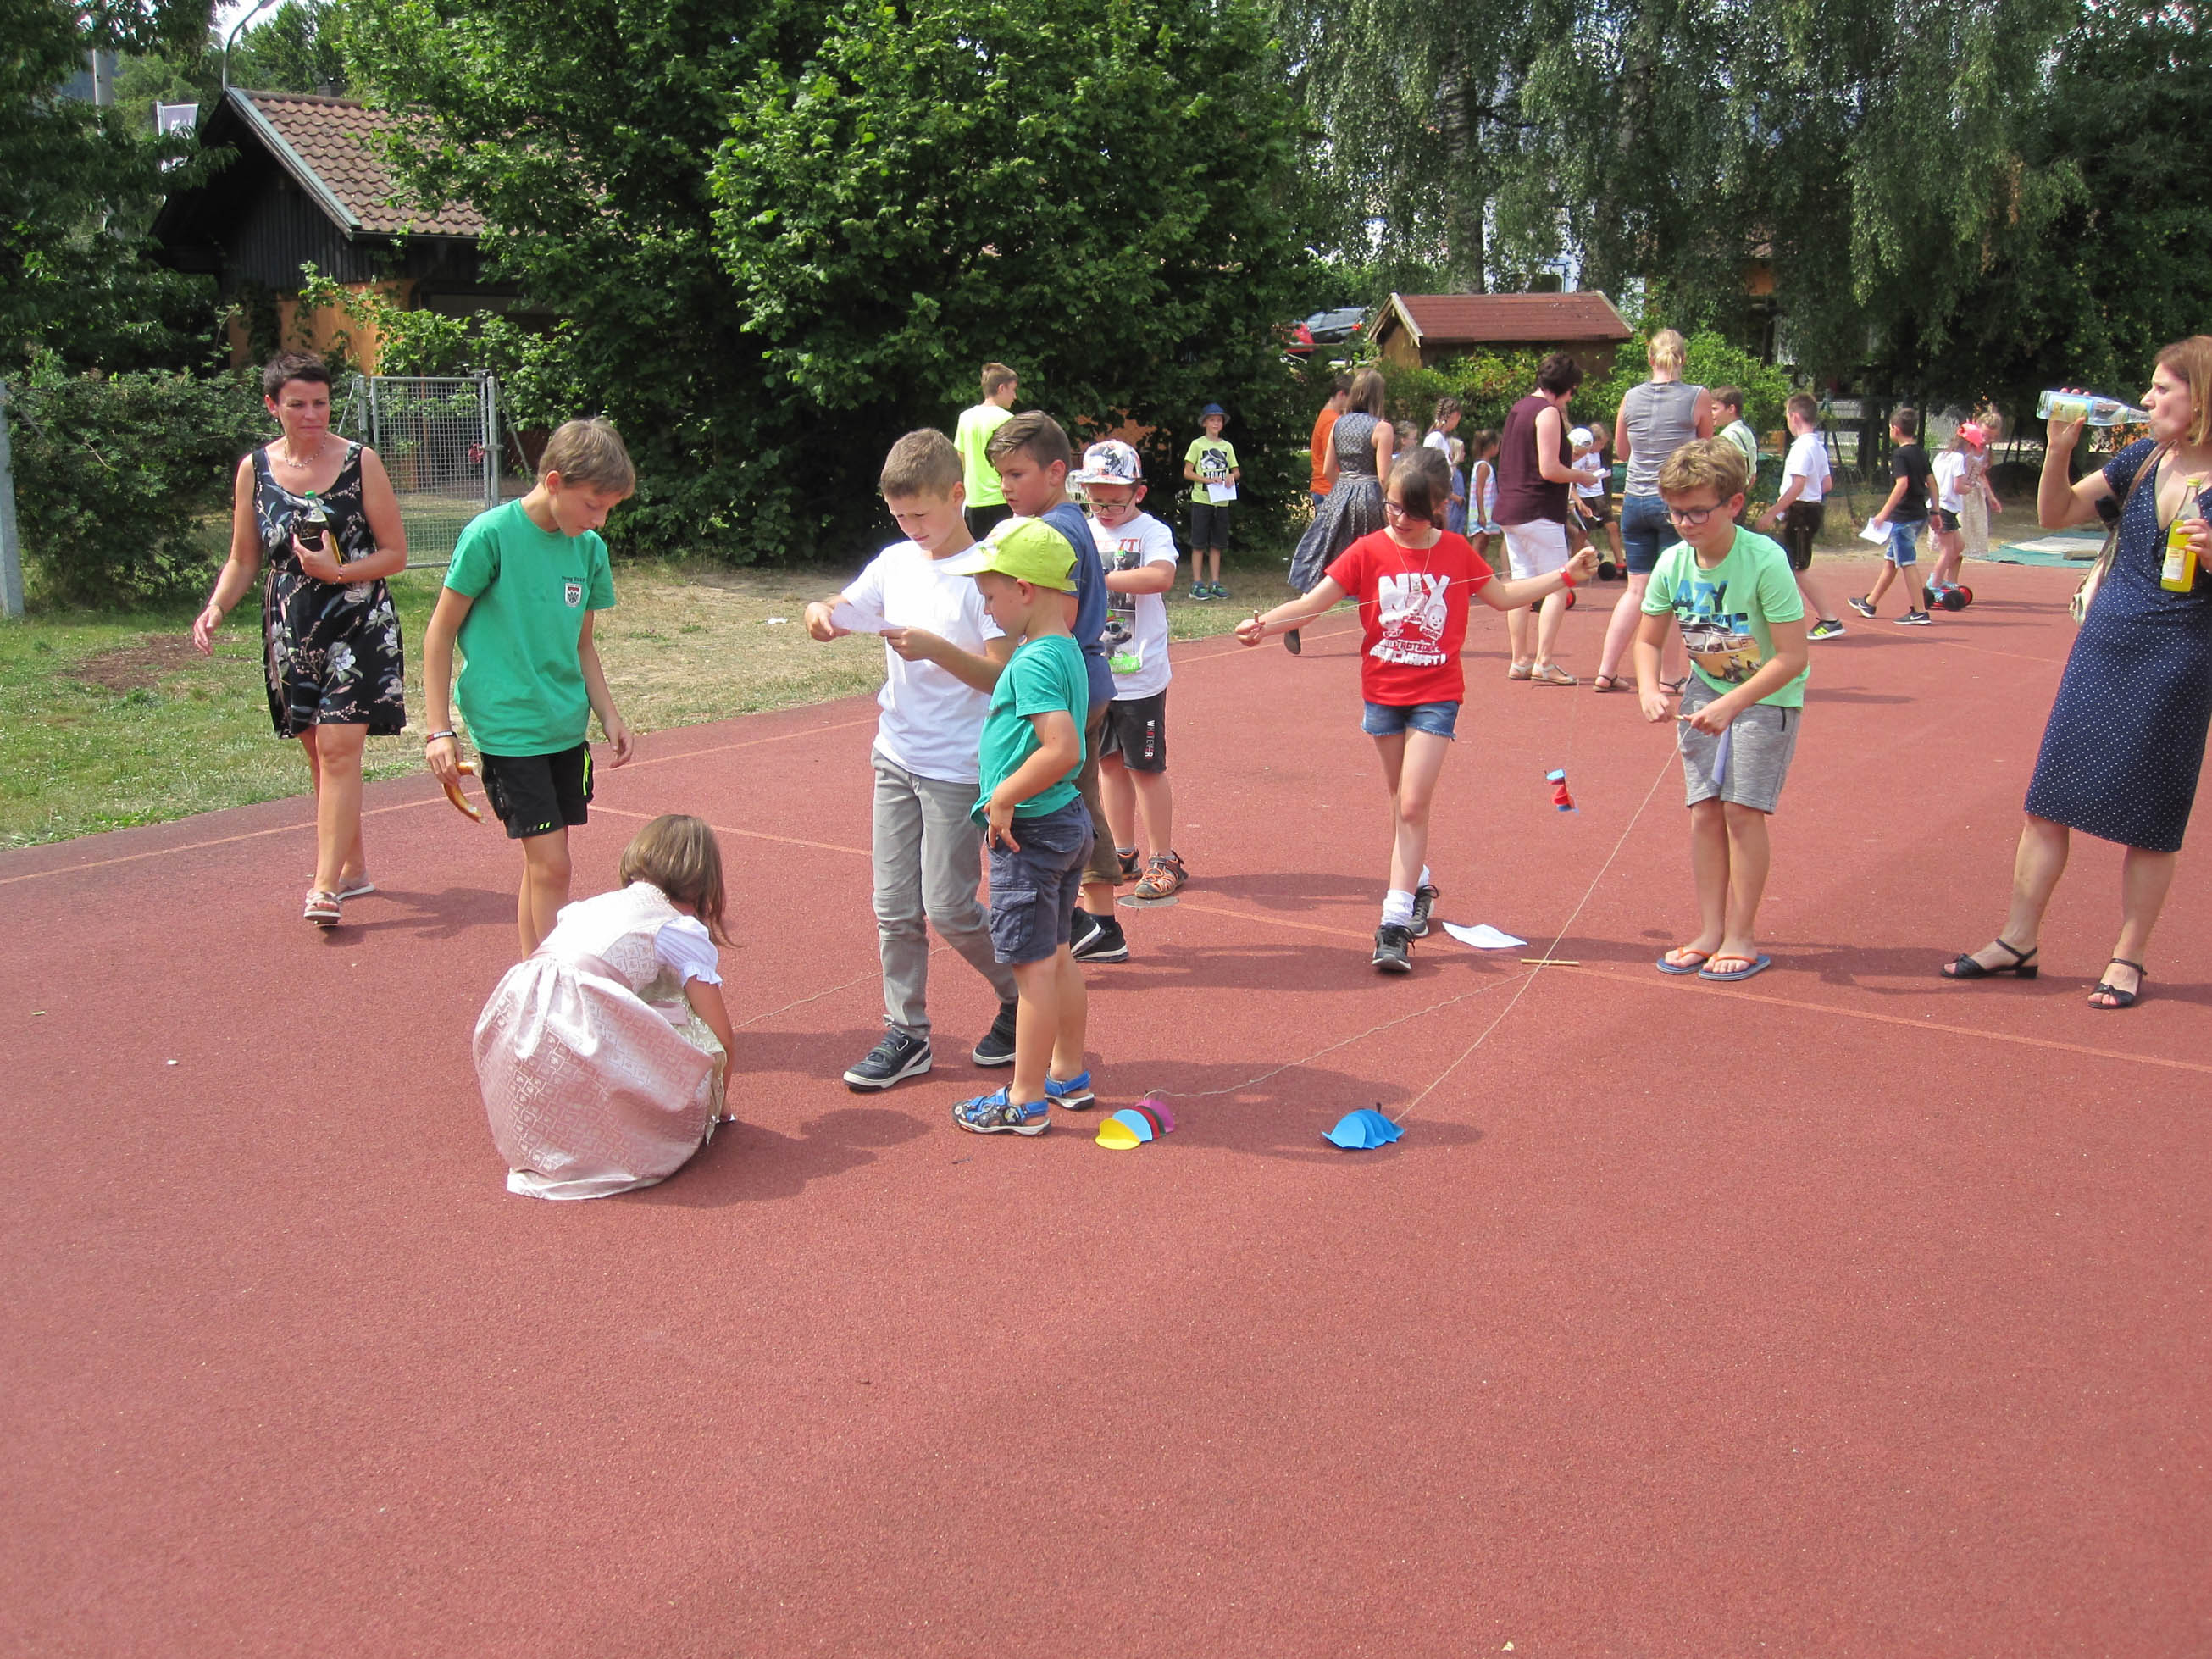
781 235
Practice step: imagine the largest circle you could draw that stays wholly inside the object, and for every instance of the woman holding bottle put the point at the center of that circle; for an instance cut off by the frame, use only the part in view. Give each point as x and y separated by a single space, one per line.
2125 738
320 512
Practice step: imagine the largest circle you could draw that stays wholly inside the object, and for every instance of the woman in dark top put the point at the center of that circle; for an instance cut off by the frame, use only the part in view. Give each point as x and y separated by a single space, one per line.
1533 477
2125 738
329 637
1360 446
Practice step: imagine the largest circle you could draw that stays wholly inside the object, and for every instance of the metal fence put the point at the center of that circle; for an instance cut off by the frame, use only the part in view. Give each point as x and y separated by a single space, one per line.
439 438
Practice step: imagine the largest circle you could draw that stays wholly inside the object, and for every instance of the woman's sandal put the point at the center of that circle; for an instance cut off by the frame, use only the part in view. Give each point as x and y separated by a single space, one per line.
322 909
2023 964
1519 671
2119 998
1605 682
1550 674
1674 687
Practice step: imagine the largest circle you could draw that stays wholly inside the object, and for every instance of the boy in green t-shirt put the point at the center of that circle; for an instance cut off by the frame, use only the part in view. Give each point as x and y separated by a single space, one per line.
987 502
518 598
1035 826
1744 623
1210 464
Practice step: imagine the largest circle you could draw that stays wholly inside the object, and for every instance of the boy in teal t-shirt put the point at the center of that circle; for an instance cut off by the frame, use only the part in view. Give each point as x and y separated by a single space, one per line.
1036 826
519 596
1210 464
1743 621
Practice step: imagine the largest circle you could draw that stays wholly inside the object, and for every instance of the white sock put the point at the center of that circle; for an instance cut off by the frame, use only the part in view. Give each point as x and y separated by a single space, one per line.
1397 909
1425 881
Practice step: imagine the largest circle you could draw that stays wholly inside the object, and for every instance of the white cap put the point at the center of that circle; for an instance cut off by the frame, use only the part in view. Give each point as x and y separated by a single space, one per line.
1581 438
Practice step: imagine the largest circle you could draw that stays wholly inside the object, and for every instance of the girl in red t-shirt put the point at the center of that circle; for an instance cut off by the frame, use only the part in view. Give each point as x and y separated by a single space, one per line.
1412 581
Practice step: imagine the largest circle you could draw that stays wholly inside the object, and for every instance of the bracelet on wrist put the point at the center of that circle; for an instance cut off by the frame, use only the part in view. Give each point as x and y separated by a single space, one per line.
434 736
1565 580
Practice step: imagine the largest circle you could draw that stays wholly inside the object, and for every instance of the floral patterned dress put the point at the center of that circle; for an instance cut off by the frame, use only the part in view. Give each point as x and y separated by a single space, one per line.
331 649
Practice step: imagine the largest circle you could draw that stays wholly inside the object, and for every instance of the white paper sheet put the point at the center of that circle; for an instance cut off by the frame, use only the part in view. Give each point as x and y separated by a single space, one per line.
850 617
1876 533
1218 492
1483 936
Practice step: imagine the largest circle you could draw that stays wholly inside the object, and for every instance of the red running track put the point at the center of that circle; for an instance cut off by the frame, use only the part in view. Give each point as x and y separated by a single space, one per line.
1845 1311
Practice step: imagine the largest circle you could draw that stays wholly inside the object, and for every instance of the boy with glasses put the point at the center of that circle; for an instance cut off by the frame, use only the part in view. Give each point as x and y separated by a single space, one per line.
1743 623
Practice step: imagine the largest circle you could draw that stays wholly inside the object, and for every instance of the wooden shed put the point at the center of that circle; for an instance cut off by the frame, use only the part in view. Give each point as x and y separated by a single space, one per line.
1427 329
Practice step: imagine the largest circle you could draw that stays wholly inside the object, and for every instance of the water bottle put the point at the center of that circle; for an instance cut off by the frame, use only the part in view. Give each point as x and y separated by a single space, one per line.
2094 407
2179 574
313 525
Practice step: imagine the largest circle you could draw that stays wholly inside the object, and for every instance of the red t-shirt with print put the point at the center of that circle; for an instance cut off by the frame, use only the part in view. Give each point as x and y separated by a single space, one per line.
1413 604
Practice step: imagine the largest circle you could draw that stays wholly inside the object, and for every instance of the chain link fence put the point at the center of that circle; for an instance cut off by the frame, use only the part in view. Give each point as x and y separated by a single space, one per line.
439 438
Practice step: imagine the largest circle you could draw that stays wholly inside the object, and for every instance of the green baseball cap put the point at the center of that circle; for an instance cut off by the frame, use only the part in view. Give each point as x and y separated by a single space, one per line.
1028 549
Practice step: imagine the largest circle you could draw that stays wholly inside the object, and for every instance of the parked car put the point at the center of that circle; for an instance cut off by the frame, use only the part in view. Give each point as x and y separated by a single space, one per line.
1333 327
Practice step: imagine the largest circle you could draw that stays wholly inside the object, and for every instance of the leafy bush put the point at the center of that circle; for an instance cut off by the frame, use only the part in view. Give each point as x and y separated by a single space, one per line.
1486 384
113 475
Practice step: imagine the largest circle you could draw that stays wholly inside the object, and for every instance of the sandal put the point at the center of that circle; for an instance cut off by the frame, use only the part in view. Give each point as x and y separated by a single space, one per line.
1752 966
1519 671
1163 877
358 886
322 909
2023 964
1667 967
2119 998
1550 674
1605 682
1674 687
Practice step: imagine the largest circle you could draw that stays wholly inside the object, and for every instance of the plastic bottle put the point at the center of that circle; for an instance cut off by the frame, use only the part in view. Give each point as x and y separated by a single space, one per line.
2094 407
313 523
2179 574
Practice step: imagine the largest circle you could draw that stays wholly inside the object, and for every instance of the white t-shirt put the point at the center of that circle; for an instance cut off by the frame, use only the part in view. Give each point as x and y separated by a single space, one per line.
1595 487
1808 459
685 947
1135 637
1950 472
932 722
1440 440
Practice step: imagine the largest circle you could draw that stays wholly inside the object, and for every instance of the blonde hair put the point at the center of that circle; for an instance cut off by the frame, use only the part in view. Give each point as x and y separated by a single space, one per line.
1703 461
2191 359
1666 350
680 856
589 454
923 463
996 375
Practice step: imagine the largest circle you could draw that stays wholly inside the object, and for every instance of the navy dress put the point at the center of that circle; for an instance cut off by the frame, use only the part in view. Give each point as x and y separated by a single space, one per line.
2126 737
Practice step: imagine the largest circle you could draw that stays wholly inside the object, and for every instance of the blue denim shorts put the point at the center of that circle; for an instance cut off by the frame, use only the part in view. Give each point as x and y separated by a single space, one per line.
1034 890
1645 532
1389 719
1904 541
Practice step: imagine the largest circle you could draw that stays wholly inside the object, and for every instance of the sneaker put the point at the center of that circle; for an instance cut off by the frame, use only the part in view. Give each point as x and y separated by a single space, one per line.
1198 591
1219 591
1074 1096
1425 901
1826 629
1163 877
897 1056
1862 608
997 1048
1393 949
1913 619
1098 938
993 1114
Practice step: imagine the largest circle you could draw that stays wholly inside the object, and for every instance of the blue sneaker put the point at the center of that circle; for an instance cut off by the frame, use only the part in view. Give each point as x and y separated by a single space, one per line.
993 1114
1219 591
1074 1096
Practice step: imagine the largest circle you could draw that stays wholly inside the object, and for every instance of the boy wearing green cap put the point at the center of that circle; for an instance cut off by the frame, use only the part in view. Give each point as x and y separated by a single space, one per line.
1036 828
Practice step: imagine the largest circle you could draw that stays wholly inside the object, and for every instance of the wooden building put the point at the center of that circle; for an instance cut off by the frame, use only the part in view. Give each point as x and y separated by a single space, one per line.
1428 329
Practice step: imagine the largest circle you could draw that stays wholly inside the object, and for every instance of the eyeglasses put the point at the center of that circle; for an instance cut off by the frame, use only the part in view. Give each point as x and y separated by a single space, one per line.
1399 510
1690 517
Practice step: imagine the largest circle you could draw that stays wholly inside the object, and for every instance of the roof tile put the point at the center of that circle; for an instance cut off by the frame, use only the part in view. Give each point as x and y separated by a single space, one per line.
1483 319
332 135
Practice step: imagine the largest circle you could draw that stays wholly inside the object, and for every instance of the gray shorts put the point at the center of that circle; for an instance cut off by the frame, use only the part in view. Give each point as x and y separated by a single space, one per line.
1034 891
1760 740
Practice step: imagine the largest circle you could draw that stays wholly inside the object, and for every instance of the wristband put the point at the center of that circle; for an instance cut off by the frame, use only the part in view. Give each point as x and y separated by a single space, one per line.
1565 580
434 736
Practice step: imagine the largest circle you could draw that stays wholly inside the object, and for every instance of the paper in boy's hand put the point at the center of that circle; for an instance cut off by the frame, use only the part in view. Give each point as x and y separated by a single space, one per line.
850 617
1876 533
1218 492
1483 936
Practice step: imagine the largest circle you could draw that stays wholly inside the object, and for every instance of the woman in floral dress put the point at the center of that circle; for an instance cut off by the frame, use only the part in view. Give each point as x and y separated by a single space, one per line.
329 636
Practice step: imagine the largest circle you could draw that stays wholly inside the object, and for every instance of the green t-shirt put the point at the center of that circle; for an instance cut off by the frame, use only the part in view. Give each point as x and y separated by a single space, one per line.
1724 609
1043 675
1215 460
521 687
970 438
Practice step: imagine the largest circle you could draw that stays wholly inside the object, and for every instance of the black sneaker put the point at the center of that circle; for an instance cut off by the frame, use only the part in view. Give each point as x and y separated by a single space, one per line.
997 1048
1098 938
1862 608
1393 949
1826 629
897 1056
1425 901
1912 619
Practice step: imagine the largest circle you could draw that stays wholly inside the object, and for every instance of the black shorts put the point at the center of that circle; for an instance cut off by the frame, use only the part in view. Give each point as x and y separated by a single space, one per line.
1137 733
1945 522
980 519
537 794
1801 524
1209 526
1594 509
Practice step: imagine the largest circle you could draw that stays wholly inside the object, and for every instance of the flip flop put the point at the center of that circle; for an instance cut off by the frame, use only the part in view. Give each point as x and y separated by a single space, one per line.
1758 965
1667 967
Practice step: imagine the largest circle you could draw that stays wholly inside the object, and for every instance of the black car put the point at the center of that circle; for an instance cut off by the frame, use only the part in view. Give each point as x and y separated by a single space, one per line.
1333 327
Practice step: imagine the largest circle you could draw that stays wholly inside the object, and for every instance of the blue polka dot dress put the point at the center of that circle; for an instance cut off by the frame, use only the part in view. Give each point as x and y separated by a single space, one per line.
2125 740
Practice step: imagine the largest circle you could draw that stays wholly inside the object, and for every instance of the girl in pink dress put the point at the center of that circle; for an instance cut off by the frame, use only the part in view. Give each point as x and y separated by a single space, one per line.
602 1054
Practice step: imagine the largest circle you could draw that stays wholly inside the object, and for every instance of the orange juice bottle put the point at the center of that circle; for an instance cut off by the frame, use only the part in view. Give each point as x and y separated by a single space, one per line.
2179 574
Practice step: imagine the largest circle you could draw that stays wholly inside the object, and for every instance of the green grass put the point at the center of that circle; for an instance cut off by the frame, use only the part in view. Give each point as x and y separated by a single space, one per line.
112 719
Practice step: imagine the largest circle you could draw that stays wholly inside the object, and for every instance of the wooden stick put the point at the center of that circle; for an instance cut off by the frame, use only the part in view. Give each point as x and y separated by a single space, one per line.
1548 962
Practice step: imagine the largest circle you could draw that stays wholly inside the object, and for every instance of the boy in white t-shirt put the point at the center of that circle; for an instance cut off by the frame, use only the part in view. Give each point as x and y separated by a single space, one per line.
1137 553
943 653
1805 478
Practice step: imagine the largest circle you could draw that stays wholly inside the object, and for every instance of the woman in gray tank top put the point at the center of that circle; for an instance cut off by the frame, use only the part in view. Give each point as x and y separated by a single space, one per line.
1655 419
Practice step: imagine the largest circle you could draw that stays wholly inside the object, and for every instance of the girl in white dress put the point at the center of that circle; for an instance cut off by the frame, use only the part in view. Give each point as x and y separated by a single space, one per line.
602 1055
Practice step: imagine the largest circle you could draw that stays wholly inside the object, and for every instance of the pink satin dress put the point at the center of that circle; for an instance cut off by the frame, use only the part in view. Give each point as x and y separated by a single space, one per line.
597 1077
